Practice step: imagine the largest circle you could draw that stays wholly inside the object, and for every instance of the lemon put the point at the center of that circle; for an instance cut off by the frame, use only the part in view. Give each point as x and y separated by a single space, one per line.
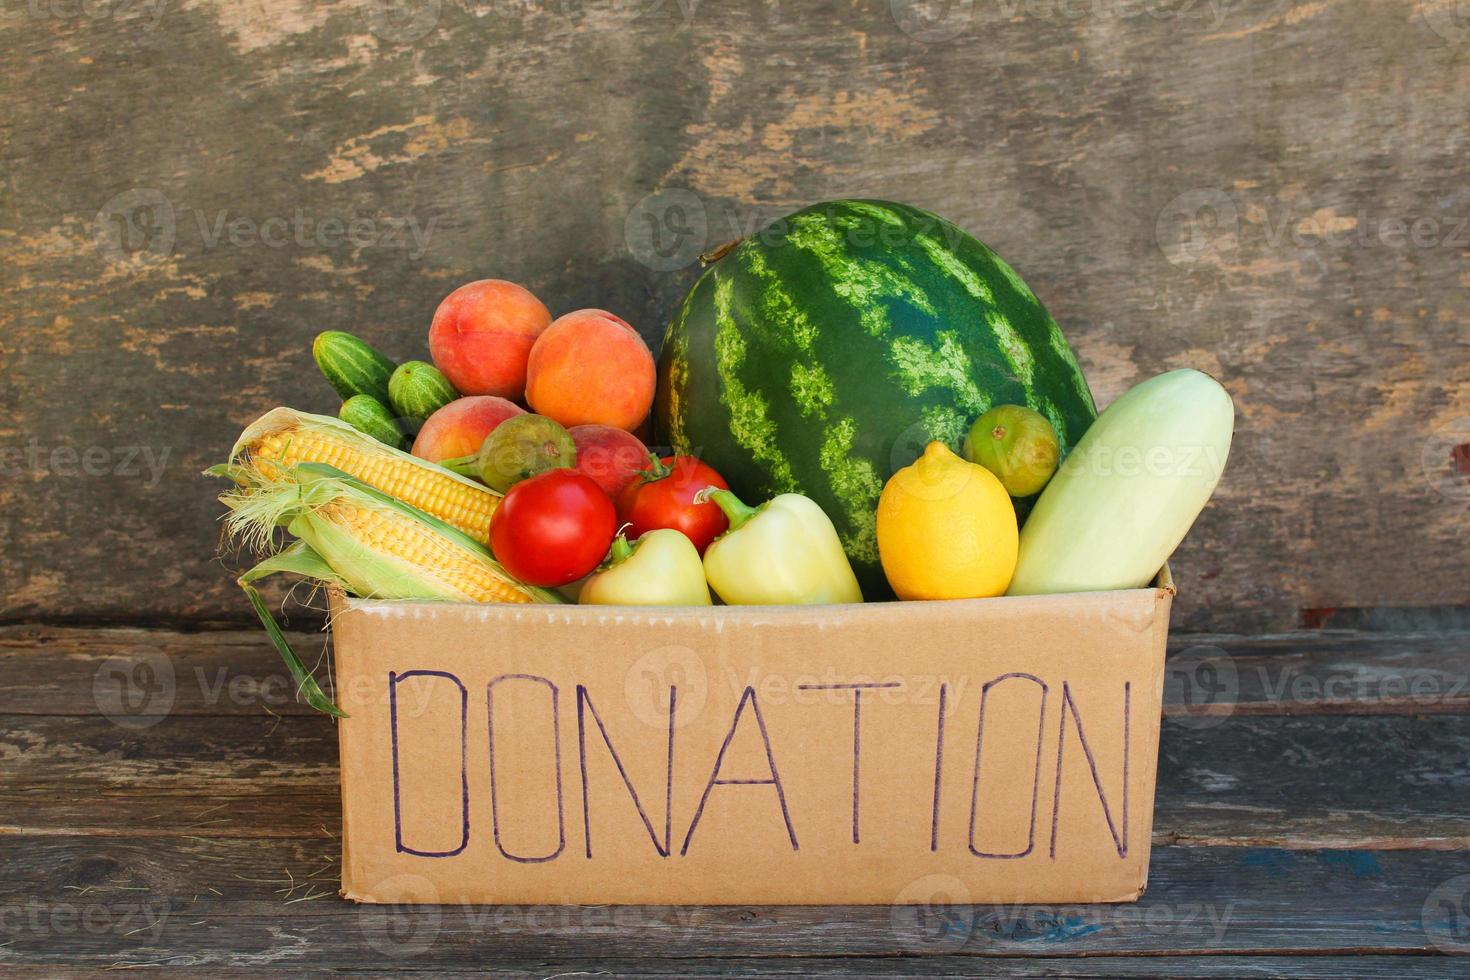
946 529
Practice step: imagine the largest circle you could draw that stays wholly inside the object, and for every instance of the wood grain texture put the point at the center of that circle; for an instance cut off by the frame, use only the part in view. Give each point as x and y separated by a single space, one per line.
208 903
113 732
83 671
1368 965
1385 782
1270 190
202 838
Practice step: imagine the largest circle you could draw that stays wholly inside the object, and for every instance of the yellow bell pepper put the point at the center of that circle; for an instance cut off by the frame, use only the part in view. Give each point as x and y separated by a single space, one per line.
783 553
661 568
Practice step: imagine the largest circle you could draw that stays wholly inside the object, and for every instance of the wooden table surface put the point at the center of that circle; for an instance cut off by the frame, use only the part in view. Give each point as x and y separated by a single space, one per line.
163 803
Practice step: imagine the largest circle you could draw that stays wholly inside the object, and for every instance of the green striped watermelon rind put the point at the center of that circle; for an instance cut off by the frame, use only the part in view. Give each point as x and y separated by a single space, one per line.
931 326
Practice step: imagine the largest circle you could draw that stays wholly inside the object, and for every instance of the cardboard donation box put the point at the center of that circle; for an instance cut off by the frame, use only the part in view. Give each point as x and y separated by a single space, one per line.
768 755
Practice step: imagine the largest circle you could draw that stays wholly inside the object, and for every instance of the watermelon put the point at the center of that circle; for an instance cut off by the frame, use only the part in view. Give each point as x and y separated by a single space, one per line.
822 354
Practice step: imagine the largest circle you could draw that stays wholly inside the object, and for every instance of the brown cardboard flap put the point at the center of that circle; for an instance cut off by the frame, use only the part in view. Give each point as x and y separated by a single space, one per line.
995 750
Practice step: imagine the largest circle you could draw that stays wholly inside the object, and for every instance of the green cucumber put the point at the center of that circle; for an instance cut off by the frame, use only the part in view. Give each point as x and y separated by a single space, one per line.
417 390
368 415
351 365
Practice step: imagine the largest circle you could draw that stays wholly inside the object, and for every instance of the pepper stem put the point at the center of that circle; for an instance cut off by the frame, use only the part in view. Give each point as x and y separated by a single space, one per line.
621 550
735 509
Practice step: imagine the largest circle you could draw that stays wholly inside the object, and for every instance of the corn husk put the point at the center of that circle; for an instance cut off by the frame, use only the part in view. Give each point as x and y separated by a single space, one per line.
287 420
304 500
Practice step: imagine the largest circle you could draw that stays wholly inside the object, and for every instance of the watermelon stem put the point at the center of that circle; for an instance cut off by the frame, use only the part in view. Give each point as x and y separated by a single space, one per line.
735 509
718 252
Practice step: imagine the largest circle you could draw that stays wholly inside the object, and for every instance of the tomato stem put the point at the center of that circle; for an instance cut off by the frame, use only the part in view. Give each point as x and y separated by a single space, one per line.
656 470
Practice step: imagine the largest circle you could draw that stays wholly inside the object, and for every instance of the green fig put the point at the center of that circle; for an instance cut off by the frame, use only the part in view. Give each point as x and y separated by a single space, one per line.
1017 444
521 447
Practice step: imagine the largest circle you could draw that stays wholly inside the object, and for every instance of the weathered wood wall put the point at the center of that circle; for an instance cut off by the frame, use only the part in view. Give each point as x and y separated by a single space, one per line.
1276 192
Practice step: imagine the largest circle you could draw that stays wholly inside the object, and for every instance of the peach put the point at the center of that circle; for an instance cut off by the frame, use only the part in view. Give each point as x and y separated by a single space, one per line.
482 335
458 428
612 457
591 367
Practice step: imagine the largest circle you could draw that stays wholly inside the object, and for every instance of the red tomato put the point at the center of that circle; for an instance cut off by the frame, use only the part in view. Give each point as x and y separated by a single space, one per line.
664 497
553 528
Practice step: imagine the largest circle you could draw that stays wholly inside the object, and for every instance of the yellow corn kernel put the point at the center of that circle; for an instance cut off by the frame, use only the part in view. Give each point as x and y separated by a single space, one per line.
435 493
401 536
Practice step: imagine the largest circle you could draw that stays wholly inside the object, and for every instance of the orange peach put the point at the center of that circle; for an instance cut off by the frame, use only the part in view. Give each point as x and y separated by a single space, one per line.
591 367
458 428
482 334
612 457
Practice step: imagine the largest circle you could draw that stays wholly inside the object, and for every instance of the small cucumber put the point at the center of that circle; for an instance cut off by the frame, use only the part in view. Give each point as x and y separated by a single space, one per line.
417 390
366 414
351 366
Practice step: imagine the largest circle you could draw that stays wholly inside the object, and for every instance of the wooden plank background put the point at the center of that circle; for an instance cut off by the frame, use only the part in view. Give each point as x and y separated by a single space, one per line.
166 802
1276 192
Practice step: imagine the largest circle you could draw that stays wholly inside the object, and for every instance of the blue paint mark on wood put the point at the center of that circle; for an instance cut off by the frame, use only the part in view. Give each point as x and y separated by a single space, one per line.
1272 860
1361 864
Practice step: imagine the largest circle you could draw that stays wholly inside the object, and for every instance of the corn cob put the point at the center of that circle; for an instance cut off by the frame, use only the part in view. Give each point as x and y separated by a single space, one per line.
283 437
378 546
468 575
358 538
